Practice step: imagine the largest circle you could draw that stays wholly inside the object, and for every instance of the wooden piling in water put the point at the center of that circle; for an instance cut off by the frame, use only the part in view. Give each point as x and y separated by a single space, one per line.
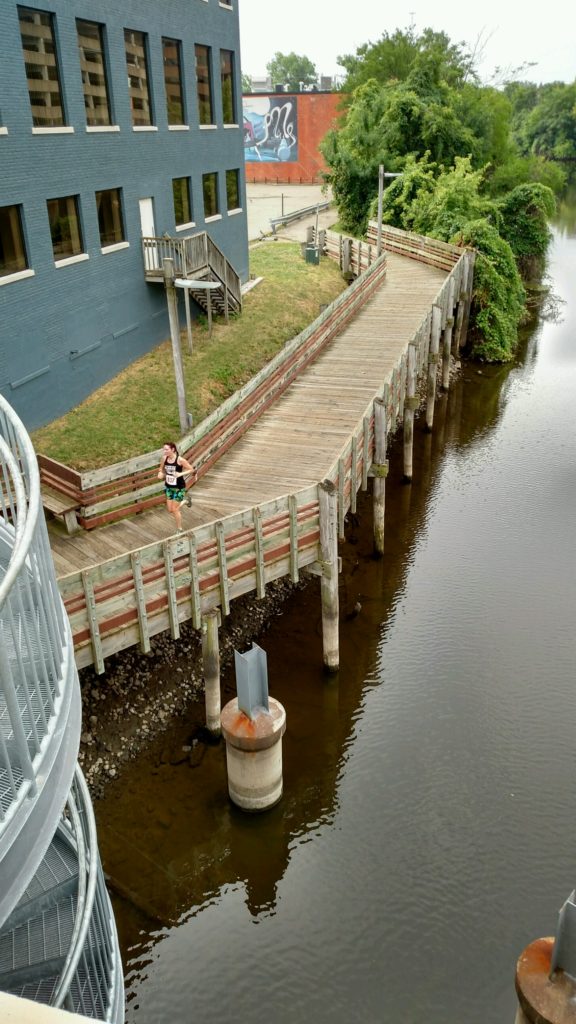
433 365
211 669
379 471
327 497
410 404
447 340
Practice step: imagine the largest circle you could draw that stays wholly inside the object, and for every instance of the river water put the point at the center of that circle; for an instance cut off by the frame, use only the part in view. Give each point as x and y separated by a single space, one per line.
427 830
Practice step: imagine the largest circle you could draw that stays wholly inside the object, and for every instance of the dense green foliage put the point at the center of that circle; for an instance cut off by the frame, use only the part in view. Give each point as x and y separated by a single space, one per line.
525 212
474 164
392 57
498 299
290 69
545 120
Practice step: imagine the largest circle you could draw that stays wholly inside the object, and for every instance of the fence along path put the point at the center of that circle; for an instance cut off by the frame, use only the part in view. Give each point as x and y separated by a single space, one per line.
256 513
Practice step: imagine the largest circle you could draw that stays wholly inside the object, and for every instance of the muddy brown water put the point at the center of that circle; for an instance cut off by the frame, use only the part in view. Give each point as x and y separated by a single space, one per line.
427 828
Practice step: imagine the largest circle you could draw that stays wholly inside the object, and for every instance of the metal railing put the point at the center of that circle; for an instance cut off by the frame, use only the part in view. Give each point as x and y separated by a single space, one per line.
36 664
306 211
91 982
39 736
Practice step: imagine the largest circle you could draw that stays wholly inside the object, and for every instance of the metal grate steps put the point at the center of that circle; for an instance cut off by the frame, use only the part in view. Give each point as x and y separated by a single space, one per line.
56 877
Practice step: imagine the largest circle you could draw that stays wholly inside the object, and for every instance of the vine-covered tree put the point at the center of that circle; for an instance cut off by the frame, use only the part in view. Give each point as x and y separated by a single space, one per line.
549 129
290 69
392 57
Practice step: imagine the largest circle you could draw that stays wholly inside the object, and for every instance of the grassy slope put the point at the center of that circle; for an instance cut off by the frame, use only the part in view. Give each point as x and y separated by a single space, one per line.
137 410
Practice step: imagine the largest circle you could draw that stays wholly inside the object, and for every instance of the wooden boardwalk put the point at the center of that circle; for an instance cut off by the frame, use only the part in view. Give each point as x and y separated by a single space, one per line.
295 443
280 462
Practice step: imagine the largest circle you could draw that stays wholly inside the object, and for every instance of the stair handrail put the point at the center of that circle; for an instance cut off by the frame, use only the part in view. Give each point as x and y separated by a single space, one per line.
23 512
82 901
86 846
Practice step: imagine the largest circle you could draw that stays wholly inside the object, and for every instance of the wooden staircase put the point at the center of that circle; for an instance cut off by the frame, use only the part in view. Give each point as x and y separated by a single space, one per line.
197 258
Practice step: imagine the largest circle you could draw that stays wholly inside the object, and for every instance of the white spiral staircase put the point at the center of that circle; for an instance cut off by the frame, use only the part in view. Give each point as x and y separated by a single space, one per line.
58 942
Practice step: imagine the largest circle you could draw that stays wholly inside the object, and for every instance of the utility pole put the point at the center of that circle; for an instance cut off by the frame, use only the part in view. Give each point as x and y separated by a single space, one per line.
380 201
172 301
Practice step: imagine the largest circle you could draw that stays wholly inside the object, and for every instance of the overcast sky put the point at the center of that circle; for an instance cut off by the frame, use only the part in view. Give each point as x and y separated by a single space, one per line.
511 33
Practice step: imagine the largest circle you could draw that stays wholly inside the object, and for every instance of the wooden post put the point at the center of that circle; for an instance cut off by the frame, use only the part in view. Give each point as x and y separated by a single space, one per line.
328 501
346 259
464 302
410 403
211 669
468 297
380 471
447 342
172 300
433 365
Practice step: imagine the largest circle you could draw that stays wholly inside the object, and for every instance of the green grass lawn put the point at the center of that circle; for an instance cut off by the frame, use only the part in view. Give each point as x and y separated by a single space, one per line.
137 410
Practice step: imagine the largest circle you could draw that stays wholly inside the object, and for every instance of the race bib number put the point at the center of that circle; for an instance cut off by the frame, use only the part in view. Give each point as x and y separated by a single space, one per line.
170 480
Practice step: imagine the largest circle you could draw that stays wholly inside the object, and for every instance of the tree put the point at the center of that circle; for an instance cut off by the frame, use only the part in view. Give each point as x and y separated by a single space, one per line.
246 83
391 59
385 124
291 70
550 128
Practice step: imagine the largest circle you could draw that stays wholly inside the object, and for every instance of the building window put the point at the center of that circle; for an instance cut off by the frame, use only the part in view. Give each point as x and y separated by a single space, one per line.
65 227
173 81
210 192
94 84
40 59
182 204
110 221
227 79
232 190
12 249
203 83
138 89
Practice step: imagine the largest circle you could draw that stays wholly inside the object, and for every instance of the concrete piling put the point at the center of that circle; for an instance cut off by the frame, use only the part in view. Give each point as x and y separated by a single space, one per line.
254 754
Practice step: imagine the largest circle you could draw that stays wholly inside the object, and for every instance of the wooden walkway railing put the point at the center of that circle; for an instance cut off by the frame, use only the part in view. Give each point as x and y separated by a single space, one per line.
127 599
107 495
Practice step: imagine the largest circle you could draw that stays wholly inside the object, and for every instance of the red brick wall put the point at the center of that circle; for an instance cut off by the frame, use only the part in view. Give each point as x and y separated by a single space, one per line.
317 112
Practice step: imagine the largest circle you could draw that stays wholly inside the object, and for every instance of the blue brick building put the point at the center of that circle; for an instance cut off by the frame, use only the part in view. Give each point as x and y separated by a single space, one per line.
118 120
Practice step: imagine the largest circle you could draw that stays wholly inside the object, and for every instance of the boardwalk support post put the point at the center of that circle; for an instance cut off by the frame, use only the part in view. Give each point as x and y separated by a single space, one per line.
464 302
433 365
468 298
211 669
447 341
379 471
328 501
410 406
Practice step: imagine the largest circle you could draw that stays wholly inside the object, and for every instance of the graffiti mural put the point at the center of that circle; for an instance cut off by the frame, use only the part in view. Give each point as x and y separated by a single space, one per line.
270 128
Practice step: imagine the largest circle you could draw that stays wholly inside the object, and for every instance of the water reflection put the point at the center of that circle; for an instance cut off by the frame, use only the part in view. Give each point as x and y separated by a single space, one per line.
426 829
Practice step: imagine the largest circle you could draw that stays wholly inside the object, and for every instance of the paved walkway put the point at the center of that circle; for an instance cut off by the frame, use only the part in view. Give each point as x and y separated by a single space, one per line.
266 202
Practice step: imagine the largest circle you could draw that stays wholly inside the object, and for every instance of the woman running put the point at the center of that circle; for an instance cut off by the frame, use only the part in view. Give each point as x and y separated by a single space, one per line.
173 470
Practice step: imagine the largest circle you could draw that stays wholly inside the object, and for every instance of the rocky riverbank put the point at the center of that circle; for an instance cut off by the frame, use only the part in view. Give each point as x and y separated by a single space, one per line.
135 700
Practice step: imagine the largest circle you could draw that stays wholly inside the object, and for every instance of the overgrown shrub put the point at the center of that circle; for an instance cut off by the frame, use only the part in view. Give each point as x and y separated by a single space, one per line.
499 298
